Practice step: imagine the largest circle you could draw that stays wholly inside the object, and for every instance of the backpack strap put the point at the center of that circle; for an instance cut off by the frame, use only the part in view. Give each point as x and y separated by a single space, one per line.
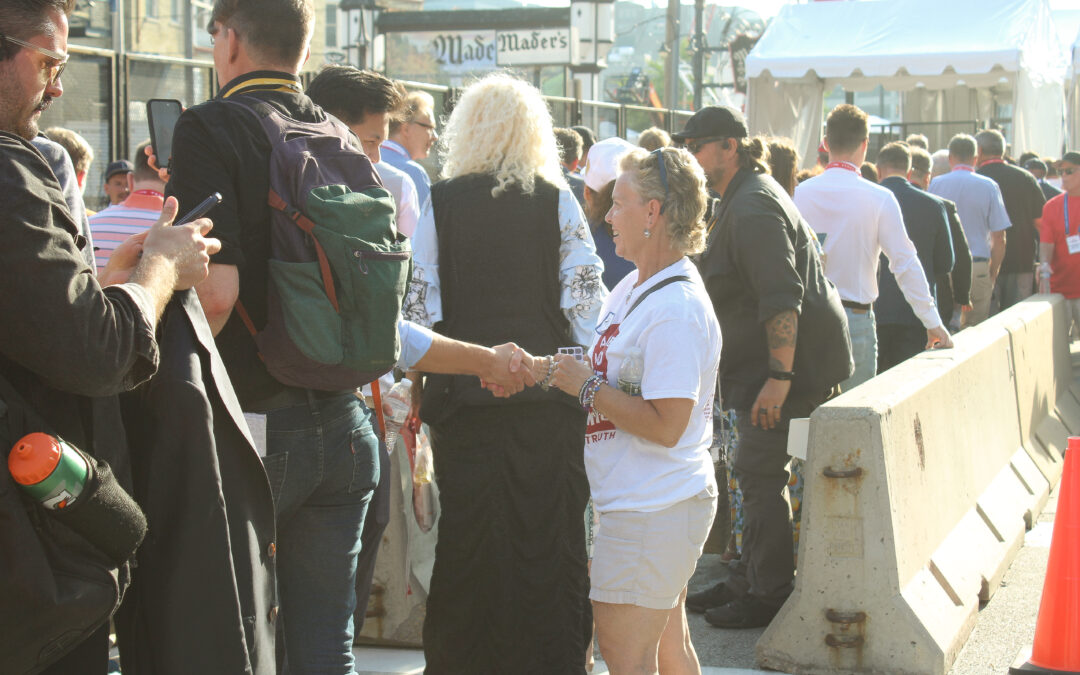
658 286
304 223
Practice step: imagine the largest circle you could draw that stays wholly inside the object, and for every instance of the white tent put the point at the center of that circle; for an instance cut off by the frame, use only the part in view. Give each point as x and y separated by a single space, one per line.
1072 90
953 59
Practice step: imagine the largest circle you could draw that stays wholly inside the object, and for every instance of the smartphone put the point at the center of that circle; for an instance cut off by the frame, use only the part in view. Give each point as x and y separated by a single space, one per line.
201 210
162 114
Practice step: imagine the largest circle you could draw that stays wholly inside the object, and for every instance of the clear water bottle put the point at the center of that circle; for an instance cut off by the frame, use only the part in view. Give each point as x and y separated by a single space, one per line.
396 406
631 371
48 469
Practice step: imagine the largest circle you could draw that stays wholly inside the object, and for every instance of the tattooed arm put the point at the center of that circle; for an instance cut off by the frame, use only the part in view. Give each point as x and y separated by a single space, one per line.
782 332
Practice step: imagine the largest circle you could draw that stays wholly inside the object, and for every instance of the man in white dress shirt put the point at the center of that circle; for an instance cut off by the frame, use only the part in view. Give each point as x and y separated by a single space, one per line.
856 221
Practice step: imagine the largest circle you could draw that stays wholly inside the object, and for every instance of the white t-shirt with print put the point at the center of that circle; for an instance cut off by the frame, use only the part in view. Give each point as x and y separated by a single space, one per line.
679 337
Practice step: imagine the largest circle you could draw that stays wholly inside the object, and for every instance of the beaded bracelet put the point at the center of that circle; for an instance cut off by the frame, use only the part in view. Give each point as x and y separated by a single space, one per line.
588 391
546 383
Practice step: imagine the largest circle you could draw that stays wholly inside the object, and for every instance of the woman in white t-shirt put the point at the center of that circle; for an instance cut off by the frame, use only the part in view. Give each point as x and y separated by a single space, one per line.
647 452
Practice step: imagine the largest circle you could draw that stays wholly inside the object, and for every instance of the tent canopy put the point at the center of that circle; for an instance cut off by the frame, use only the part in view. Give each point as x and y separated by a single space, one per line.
887 38
957 58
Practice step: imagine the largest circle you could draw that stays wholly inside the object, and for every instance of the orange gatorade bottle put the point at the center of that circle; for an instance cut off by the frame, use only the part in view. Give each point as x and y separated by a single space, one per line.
48 469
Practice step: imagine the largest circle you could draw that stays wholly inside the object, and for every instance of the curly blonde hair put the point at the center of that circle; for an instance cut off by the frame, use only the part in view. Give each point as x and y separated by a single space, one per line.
685 198
501 126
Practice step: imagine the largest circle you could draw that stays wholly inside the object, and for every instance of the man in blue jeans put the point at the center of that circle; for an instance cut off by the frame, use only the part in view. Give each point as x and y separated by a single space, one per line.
322 451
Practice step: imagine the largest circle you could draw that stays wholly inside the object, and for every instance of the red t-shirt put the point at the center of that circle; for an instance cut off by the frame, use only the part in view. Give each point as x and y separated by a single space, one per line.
1065 278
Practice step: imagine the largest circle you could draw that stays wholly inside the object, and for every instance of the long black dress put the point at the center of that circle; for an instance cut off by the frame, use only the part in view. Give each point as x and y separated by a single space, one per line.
509 590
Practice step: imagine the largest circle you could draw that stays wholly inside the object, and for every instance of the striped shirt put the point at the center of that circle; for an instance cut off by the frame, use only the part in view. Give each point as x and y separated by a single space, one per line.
111 226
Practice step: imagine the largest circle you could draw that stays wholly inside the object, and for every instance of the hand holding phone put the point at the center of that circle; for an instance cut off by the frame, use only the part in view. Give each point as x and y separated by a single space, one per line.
162 114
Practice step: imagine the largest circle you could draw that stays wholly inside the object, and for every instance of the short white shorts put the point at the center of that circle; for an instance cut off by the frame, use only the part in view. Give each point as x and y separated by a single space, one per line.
646 558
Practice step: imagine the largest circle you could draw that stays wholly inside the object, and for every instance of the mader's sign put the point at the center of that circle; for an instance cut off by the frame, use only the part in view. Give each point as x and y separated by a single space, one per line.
550 46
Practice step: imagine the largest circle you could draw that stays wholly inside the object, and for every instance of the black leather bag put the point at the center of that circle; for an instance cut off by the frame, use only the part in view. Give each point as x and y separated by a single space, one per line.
56 588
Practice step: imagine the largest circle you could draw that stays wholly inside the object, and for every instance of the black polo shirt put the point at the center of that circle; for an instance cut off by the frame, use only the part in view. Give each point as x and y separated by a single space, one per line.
220 147
1023 202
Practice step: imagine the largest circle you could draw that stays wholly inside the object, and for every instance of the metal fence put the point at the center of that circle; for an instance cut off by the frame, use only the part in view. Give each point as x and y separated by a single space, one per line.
105 101
105 96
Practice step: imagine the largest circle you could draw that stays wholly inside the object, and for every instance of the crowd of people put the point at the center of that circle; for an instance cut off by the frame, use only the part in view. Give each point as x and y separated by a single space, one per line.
590 327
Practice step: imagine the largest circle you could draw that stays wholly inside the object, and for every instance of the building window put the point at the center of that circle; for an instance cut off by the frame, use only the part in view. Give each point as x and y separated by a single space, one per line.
331 26
151 9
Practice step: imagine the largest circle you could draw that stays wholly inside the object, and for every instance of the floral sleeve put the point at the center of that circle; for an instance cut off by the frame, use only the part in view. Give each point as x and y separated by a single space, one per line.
580 269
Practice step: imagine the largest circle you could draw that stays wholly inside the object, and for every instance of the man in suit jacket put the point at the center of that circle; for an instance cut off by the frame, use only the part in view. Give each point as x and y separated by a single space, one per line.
954 288
900 333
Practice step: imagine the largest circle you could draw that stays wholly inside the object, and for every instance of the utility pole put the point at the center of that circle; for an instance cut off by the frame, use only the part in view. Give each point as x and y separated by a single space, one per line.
698 47
671 70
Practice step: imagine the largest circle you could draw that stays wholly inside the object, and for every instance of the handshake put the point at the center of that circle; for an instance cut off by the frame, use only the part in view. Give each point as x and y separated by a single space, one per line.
512 369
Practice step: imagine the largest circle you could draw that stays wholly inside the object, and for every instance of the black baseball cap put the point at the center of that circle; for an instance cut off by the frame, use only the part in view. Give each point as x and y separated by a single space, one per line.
119 166
714 120
1035 163
1072 157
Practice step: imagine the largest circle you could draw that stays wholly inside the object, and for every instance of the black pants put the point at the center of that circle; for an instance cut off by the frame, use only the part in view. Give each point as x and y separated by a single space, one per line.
897 343
766 569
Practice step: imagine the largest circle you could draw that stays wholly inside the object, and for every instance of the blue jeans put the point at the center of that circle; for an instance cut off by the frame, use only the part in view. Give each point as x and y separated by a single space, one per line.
323 465
863 332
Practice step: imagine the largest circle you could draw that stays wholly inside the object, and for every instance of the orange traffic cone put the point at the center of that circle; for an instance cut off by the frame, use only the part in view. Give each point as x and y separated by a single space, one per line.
1057 631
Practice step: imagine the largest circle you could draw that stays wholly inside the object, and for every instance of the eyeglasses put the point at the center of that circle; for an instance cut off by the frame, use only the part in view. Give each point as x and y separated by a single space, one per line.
429 127
54 70
694 145
1068 172
659 155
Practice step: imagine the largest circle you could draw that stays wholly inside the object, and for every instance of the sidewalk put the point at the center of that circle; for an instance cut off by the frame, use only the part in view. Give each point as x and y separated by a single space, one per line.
1004 626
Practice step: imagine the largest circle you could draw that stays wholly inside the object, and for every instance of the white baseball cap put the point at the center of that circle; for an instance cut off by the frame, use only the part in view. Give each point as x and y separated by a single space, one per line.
603 162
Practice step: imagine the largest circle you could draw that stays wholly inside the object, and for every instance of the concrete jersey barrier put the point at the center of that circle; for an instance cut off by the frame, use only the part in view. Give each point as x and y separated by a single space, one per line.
918 486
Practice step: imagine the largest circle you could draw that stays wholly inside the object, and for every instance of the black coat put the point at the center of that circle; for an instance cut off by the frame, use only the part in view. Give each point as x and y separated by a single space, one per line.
202 599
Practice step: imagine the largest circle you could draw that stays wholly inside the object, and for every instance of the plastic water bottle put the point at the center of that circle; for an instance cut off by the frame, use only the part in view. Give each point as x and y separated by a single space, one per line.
631 371
48 469
399 402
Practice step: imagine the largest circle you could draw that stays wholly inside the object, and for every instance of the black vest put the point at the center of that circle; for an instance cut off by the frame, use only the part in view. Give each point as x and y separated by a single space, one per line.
499 281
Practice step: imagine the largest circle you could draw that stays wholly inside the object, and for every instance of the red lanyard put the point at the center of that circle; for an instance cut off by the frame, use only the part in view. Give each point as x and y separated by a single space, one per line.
993 161
149 193
963 167
842 165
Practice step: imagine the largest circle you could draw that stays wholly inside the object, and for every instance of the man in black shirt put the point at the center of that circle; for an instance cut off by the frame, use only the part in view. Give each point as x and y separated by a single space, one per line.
1023 202
67 345
785 345
1038 168
322 452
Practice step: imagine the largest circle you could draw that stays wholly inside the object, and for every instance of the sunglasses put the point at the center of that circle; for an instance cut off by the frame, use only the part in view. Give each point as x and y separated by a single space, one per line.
694 145
1068 172
55 70
659 155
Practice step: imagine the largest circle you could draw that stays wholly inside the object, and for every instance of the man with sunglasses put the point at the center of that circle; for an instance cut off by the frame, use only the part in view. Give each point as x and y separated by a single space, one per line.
411 139
785 346
1059 241
67 345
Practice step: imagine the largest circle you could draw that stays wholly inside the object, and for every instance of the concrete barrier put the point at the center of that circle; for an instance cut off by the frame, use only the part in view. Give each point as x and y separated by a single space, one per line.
918 486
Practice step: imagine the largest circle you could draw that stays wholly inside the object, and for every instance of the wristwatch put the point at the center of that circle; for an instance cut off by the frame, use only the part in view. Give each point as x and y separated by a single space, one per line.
781 374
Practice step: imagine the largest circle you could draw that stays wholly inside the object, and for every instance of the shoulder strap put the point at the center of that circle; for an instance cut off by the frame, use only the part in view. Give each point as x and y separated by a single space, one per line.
658 286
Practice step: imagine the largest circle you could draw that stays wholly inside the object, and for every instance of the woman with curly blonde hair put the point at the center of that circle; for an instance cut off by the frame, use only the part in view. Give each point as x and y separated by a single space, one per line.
503 254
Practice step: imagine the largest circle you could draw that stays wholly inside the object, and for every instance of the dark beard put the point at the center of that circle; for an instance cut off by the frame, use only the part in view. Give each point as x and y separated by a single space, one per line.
29 129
